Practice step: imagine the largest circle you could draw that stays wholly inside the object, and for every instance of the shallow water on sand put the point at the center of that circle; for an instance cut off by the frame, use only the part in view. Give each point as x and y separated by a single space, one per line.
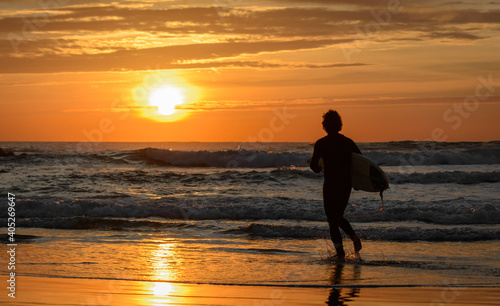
225 260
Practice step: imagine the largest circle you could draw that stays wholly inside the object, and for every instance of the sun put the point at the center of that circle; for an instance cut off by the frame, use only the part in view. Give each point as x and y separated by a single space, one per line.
166 99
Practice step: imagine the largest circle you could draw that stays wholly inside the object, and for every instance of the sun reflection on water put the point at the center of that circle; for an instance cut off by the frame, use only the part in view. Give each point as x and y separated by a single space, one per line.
160 293
164 262
162 289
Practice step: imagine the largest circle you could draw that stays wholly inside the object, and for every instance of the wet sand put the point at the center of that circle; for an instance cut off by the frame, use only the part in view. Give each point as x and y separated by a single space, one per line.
70 291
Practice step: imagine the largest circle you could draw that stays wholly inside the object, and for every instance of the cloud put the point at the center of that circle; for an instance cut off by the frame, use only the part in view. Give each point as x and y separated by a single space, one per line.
361 3
124 37
109 110
262 64
454 35
276 22
311 103
322 103
142 59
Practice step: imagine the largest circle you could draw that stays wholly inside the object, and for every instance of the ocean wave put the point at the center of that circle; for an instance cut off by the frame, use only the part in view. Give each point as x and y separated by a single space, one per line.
263 159
399 233
441 177
114 182
226 159
415 233
427 158
445 212
457 211
247 158
92 223
417 146
280 231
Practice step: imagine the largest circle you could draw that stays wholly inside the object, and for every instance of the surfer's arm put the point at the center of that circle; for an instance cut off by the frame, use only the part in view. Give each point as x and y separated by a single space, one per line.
355 148
315 160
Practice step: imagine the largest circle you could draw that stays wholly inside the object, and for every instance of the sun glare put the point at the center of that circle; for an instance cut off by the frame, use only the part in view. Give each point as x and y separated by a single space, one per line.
166 98
162 289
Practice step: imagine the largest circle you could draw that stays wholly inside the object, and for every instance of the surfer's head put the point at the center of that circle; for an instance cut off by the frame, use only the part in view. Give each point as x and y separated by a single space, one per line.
332 123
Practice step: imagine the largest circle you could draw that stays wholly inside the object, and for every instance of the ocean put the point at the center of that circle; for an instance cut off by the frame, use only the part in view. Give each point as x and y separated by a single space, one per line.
250 214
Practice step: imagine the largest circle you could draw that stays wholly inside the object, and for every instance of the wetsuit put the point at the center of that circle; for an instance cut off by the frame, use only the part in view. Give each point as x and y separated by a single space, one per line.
336 150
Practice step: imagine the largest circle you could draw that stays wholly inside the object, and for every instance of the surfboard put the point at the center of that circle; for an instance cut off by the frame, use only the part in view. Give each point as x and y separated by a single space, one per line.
365 174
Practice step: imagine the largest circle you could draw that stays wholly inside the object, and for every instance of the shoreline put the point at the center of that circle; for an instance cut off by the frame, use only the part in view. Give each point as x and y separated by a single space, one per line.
81 291
301 286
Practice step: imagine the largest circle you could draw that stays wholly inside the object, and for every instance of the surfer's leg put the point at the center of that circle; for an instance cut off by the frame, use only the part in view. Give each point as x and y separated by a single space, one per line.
341 201
333 218
335 200
333 223
344 224
336 238
357 243
347 228
335 233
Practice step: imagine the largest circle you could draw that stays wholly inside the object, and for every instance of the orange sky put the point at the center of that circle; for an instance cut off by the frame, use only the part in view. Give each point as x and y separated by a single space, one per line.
249 70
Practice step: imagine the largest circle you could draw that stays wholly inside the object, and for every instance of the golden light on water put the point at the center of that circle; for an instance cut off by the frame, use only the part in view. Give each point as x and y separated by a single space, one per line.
165 262
160 293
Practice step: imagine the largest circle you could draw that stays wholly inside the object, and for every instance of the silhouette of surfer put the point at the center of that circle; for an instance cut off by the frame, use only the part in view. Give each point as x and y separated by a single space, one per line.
335 149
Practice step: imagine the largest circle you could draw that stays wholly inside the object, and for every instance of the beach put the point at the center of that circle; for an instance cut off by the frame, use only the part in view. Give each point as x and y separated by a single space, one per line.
62 291
243 224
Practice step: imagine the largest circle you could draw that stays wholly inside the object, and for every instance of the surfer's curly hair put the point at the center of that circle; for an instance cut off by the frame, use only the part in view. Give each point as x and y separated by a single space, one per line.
332 123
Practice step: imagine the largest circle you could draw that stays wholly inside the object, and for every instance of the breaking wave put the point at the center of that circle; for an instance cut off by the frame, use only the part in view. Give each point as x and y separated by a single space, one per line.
226 159
459 211
263 159
397 233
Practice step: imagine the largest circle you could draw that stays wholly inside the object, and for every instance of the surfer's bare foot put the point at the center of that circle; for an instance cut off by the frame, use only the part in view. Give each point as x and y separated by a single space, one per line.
340 256
357 244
